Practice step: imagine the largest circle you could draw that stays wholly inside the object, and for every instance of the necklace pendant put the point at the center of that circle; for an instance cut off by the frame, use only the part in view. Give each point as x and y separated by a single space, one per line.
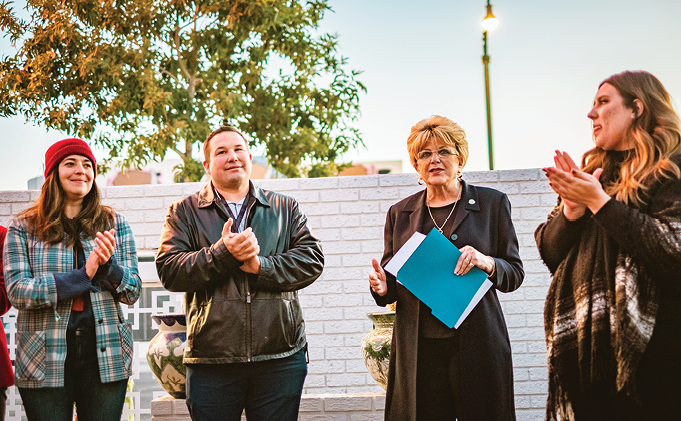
448 216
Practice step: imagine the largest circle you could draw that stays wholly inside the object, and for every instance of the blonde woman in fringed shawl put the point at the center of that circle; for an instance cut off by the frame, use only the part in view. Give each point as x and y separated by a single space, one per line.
613 246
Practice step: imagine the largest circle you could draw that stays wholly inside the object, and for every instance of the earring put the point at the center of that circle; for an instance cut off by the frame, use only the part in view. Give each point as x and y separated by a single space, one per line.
421 182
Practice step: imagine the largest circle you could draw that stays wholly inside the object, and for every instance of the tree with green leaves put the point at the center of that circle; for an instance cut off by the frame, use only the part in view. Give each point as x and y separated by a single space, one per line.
141 77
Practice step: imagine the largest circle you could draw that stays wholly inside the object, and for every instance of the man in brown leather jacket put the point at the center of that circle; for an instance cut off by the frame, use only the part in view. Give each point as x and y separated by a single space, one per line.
240 254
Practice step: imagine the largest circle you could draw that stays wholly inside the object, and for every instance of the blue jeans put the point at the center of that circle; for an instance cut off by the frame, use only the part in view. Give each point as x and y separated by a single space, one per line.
267 390
95 401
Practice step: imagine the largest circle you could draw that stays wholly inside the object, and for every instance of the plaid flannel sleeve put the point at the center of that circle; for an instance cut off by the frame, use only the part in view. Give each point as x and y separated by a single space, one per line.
25 289
126 256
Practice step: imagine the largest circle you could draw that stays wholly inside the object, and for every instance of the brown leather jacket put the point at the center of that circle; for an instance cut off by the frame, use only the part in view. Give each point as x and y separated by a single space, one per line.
233 316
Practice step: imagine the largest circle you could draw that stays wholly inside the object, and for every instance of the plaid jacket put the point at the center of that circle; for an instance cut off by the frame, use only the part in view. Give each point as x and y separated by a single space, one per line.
29 265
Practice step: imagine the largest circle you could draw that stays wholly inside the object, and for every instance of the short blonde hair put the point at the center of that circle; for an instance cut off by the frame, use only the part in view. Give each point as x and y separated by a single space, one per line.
439 130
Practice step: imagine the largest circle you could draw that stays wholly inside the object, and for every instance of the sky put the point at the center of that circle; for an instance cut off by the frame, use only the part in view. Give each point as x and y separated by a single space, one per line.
425 58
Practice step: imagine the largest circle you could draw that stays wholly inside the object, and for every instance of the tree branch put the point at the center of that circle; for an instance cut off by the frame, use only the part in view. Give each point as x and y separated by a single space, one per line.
196 16
192 81
177 151
166 72
179 56
188 147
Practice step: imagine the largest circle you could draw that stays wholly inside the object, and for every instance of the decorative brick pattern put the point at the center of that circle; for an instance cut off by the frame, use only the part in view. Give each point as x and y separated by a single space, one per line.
348 214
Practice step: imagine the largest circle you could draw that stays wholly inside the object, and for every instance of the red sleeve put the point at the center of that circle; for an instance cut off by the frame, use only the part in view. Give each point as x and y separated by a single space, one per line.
4 301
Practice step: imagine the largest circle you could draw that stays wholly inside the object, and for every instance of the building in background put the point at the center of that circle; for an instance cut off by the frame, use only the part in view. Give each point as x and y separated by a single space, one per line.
159 173
373 168
162 172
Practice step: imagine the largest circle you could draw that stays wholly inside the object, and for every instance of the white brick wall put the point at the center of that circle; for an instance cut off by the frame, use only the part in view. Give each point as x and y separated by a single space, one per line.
326 407
348 214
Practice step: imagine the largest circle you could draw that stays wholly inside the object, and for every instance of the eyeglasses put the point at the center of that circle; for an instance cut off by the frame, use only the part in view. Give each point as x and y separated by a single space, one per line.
442 153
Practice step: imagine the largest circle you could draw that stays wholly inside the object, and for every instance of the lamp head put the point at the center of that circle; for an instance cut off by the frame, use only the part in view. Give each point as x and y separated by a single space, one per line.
490 22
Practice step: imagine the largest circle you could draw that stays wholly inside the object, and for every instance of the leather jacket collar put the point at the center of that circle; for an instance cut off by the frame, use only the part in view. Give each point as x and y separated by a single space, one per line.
207 195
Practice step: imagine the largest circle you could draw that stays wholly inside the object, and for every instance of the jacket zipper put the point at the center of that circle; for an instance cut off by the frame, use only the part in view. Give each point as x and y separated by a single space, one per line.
249 336
249 333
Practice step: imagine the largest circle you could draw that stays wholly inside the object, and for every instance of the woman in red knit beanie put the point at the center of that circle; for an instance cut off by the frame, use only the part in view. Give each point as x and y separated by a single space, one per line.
69 263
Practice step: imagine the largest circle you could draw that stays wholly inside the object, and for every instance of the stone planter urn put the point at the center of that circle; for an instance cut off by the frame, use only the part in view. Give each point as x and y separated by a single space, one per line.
165 353
376 346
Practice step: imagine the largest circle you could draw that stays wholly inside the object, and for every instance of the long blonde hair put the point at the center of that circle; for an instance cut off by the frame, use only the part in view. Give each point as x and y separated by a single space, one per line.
656 134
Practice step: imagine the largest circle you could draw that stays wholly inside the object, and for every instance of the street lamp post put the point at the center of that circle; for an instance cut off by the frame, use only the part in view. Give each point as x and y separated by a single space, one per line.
489 24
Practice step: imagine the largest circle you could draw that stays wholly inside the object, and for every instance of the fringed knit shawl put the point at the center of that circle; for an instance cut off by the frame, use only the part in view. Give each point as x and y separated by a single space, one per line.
600 311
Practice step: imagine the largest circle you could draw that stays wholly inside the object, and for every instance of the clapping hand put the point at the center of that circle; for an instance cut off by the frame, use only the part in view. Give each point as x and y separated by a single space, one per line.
243 246
566 164
105 248
578 190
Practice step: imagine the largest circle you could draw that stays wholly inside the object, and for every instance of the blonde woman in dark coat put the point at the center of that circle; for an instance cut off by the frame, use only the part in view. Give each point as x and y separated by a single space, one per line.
438 373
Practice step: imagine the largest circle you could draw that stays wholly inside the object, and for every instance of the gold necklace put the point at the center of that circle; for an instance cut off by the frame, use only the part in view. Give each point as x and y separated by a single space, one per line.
450 213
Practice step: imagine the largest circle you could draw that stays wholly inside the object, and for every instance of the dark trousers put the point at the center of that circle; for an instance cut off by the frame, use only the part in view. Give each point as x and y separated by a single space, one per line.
95 401
3 402
267 390
437 391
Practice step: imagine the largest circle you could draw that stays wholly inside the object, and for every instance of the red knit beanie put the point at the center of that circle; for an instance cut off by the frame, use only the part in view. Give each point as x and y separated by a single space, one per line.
64 148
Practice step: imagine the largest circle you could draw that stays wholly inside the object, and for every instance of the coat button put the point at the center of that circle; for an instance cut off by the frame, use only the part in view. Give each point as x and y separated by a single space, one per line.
102 349
100 321
454 237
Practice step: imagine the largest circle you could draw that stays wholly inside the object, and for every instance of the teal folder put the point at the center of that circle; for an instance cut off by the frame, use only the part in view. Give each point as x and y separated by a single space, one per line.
425 266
